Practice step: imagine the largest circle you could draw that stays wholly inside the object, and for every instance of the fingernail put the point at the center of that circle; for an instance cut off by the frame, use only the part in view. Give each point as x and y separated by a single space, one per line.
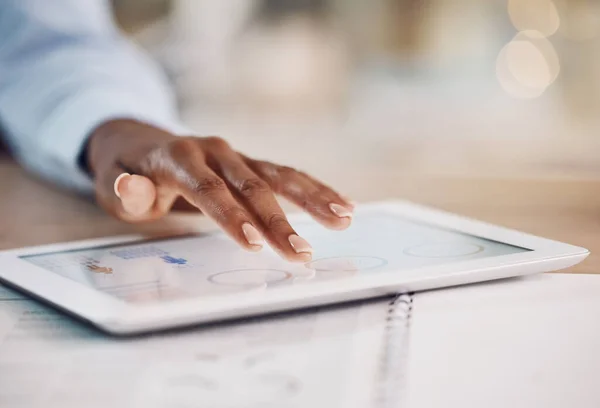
300 245
117 182
340 210
252 235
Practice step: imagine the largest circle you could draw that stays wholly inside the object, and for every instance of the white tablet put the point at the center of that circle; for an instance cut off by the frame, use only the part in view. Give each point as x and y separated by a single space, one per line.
131 284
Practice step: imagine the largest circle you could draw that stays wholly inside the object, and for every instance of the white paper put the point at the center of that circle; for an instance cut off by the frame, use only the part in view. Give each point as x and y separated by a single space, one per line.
328 356
531 342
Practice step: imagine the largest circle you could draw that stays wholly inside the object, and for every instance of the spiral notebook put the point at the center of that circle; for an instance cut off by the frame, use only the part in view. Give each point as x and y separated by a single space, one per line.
331 357
521 343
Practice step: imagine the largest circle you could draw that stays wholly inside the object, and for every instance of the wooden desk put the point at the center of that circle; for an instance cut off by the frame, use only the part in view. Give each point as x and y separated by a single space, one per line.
33 213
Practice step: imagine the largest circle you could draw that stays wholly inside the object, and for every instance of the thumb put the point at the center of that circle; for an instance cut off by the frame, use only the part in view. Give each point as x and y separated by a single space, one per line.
137 194
130 197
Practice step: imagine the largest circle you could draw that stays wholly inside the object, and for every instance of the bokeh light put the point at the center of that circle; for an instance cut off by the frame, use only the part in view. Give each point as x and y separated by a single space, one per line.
527 65
539 15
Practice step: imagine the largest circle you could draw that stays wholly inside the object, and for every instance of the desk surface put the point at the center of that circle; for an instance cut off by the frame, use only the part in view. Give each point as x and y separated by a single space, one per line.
34 213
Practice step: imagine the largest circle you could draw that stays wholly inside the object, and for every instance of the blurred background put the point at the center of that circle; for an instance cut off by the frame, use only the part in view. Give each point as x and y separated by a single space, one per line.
497 88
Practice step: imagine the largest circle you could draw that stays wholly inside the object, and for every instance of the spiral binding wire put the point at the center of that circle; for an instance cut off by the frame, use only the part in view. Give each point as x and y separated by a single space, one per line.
391 387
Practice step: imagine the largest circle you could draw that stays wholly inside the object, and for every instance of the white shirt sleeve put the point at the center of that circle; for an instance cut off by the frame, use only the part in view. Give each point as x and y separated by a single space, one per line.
64 70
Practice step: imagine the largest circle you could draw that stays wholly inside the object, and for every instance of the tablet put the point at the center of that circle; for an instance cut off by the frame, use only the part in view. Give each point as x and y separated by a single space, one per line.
129 285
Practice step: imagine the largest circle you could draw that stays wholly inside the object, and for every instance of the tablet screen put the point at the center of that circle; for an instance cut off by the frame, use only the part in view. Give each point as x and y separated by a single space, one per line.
209 265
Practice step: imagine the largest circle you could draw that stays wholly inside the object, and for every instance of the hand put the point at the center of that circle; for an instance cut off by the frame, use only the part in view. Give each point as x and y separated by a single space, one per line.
142 172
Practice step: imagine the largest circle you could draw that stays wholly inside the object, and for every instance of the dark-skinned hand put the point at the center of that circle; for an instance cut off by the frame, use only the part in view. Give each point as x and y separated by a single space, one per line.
142 172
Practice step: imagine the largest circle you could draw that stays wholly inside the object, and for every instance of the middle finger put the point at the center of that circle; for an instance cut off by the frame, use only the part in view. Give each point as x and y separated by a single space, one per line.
256 195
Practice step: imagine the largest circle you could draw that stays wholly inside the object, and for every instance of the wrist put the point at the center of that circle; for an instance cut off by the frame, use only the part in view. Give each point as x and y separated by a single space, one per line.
111 139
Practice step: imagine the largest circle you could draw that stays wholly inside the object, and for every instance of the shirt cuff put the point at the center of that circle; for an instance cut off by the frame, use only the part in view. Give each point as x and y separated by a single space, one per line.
65 134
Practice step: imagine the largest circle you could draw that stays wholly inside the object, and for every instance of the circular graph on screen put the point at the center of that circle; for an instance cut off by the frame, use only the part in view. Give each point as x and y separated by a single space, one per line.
444 250
346 263
249 278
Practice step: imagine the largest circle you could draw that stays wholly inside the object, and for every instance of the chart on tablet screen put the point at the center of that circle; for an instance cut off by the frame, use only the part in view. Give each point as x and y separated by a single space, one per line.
211 265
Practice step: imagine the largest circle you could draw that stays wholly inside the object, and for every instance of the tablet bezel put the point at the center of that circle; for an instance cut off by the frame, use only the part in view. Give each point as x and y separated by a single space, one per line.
119 317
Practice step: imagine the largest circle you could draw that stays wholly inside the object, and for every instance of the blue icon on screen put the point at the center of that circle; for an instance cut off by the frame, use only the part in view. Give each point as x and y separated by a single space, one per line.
174 261
139 252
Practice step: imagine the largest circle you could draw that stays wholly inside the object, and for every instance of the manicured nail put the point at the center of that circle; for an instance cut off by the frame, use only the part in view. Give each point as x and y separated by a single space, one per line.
252 235
300 245
340 210
117 181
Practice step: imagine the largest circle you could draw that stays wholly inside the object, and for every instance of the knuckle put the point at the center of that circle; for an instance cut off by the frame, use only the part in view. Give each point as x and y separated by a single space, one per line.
253 186
262 166
216 142
277 222
207 185
306 204
183 146
265 170
287 172
180 151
